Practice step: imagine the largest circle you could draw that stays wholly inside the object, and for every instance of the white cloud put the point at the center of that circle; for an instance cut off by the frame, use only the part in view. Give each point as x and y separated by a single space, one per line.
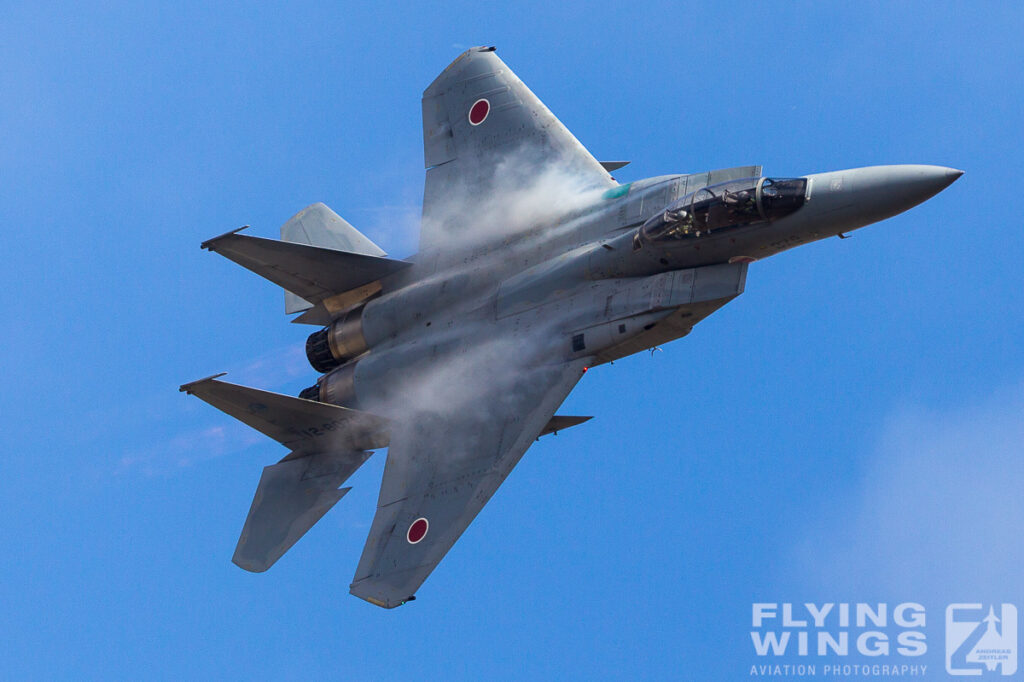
207 433
274 367
939 511
186 449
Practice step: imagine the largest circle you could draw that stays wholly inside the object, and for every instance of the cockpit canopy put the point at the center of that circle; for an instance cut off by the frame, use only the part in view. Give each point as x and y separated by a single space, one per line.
727 204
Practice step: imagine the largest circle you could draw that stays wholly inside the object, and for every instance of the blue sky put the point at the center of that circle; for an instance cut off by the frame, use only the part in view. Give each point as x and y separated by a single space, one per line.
847 430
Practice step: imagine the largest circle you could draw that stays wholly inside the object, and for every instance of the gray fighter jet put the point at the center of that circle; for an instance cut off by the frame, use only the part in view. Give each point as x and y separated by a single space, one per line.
534 265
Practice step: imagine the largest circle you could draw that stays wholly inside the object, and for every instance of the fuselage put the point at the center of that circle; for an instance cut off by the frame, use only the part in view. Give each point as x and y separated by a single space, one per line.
626 269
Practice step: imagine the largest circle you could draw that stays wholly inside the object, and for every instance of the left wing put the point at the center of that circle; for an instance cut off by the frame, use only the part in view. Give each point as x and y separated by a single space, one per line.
485 136
440 472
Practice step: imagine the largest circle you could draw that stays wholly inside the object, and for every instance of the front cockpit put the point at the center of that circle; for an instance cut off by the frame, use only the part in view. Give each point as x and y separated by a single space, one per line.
728 204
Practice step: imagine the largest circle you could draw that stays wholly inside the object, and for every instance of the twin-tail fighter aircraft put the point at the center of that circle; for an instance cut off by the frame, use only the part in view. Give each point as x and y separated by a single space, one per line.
534 264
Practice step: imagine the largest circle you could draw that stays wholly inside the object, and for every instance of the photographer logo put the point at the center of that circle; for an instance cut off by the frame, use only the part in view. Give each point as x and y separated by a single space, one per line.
981 639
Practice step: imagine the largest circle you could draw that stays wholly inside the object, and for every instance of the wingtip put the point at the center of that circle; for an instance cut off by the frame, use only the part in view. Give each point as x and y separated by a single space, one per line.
374 593
249 565
375 601
187 388
209 242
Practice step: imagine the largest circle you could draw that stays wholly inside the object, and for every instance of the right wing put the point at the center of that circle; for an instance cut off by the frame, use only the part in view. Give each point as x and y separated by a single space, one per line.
484 131
442 469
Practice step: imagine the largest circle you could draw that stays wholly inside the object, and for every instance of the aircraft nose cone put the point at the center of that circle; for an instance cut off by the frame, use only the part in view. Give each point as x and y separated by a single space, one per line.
898 188
861 196
889 190
943 176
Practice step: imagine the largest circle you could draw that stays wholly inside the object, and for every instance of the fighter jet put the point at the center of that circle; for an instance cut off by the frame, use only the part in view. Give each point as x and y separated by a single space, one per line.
534 265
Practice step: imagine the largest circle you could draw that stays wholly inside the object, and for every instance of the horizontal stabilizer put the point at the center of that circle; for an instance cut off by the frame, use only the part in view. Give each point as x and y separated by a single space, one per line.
311 272
560 422
304 426
613 165
317 225
291 497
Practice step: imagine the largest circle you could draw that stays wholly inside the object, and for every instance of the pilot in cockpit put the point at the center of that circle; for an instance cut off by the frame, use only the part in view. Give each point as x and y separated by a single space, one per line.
742 202
680 219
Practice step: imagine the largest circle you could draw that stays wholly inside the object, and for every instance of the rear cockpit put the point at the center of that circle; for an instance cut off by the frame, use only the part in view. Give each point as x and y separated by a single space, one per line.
728 204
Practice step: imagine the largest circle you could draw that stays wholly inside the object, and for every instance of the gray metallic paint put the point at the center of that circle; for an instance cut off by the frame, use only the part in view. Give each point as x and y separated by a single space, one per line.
516 316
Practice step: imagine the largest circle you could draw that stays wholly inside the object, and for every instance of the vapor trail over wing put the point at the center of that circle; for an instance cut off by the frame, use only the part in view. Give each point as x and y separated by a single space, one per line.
484 130
442 469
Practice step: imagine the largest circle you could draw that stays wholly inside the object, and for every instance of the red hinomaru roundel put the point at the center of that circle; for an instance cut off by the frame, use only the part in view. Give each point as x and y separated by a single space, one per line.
478 112
417 530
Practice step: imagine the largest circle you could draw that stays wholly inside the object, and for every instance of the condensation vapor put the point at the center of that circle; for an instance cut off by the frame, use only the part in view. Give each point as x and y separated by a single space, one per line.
462 403
524 194
475 375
